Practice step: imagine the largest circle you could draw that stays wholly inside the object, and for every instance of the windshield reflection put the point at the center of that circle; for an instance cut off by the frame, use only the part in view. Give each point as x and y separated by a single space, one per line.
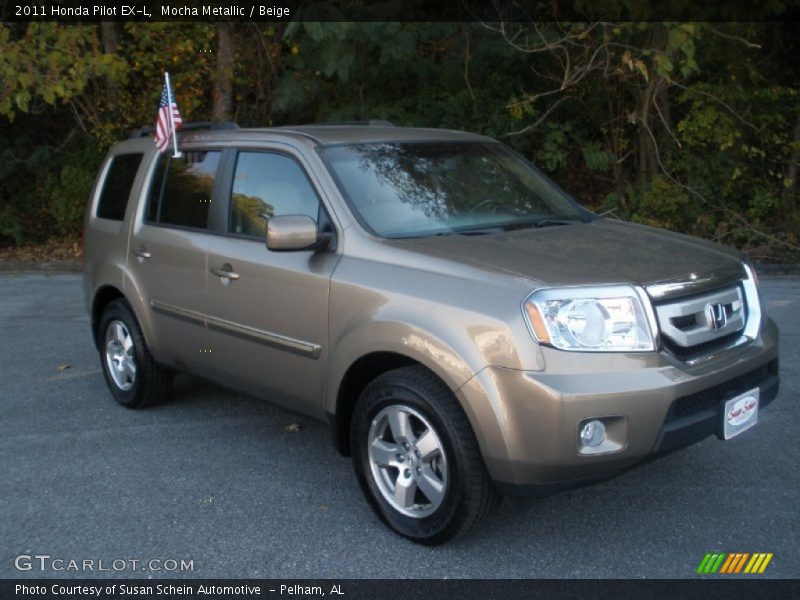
430 188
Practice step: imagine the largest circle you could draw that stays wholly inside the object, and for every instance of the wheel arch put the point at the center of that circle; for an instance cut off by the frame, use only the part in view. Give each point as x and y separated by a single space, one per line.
103 296
364 370
106 294
375 348
371 350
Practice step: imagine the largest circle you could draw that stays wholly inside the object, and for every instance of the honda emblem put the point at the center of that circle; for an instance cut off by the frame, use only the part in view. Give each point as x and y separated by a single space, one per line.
716 316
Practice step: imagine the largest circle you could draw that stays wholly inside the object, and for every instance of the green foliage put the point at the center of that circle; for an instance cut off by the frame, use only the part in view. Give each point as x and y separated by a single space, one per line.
45 194
596 157
689 126
553 146
64 191
49 64
661 203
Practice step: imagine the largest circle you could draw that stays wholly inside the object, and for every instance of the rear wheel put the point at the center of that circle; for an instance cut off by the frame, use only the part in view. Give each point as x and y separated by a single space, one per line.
417 459
132 375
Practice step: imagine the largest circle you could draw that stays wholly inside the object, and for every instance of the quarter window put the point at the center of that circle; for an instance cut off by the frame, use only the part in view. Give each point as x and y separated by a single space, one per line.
267 185
117 186
181 190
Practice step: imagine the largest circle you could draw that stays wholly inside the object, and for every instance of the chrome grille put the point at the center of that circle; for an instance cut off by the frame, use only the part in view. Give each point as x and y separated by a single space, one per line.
703 322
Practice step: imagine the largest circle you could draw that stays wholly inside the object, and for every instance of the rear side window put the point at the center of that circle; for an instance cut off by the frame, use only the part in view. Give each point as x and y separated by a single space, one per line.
267 185
117 186
181 191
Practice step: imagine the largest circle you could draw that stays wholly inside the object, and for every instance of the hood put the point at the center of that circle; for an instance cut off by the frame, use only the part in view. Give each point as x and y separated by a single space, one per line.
600 252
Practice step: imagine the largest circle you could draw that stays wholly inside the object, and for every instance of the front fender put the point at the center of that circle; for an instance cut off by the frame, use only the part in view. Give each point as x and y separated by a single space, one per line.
455 325
400 338
480 402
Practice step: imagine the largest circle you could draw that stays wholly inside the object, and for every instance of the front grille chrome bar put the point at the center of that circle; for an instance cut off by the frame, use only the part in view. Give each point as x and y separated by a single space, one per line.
700 327
701 319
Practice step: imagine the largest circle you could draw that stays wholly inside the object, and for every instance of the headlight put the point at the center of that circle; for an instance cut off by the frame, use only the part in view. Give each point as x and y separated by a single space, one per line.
598 319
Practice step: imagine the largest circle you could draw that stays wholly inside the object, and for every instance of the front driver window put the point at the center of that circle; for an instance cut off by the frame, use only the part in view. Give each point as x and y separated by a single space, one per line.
267 185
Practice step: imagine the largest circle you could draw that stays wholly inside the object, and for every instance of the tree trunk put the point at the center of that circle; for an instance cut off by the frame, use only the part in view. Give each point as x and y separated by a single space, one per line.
791 171
110 42
223 82
648 151
666 110
648 164
108 36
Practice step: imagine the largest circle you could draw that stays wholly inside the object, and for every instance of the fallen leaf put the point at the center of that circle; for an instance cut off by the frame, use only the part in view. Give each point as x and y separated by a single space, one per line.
293 427
64 367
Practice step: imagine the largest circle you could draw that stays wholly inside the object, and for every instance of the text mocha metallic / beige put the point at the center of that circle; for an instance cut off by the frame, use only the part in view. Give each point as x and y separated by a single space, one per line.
466 327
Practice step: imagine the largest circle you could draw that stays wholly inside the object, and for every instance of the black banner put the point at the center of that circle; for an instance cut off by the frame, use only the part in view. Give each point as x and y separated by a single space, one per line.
405 589
87 11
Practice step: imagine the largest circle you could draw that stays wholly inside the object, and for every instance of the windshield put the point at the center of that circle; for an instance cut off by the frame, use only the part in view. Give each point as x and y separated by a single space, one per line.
423 188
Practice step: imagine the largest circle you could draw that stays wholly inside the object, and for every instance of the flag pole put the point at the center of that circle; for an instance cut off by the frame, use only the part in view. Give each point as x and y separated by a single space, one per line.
177 152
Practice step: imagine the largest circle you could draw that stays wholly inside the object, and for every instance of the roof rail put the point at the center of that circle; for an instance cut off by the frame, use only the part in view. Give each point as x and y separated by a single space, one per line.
212 125
369 123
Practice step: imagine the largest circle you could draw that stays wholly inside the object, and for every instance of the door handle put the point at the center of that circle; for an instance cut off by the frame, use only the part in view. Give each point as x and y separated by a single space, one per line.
225 272
141 253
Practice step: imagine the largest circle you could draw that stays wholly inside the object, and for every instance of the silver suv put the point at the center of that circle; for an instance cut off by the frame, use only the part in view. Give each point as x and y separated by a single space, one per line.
468 330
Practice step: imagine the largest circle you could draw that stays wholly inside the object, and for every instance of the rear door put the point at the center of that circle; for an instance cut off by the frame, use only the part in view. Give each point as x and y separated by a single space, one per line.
268 321
169 248
105 233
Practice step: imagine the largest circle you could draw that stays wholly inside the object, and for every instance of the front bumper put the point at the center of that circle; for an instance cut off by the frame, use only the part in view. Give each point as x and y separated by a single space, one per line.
527 422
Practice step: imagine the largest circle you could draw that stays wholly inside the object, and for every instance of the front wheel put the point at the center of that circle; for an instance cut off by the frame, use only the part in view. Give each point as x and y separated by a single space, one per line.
417 459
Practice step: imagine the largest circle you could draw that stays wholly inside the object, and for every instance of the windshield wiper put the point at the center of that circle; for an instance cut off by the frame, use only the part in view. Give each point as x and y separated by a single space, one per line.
476 231
542 222
479 231
554 222
545 222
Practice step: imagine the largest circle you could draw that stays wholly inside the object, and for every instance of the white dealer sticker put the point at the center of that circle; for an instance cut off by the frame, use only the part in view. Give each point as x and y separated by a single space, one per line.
741 413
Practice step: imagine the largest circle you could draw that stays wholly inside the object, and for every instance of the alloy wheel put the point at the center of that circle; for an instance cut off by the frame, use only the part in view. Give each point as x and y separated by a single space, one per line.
407 461
120 355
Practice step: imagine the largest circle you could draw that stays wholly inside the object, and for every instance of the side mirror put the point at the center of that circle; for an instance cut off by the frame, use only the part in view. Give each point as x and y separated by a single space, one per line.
291 233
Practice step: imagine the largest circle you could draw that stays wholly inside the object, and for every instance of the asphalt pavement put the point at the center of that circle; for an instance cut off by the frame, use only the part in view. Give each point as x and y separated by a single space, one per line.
229 482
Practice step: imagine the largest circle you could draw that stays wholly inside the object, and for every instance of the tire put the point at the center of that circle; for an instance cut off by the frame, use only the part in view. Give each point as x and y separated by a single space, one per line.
444 490
132 375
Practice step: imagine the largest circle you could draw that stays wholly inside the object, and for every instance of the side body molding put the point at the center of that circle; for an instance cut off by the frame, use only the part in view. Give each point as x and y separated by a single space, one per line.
268 338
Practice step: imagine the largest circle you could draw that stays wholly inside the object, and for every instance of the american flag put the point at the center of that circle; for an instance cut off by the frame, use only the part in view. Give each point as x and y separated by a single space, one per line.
163 122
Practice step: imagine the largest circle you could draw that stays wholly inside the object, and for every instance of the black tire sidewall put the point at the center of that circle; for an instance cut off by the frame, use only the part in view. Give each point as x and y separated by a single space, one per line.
443 523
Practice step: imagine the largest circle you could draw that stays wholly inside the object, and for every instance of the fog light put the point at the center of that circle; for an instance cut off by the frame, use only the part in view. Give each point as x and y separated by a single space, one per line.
593 433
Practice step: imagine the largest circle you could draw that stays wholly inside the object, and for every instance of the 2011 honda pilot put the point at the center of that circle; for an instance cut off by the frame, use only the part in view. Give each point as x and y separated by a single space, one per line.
466 327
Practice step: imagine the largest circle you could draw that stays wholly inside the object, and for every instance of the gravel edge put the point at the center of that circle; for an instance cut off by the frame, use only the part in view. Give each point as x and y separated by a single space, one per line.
22 266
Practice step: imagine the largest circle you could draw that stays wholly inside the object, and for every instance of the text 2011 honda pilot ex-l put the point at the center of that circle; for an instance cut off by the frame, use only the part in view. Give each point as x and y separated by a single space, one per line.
468 330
